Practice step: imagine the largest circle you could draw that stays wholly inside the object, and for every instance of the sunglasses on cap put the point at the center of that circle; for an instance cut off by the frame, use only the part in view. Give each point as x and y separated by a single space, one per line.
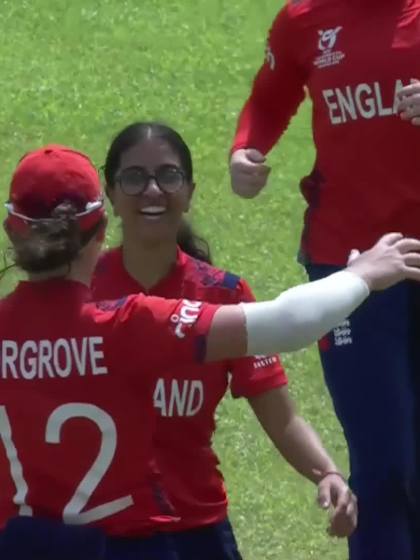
90 208
135 180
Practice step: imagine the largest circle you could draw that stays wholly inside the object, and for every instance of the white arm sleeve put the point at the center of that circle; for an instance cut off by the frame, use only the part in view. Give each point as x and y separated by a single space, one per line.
304 314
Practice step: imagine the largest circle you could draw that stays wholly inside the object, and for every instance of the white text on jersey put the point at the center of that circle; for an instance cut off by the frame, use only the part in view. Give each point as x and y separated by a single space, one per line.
178 397
263 361
60 358
364 101
188 315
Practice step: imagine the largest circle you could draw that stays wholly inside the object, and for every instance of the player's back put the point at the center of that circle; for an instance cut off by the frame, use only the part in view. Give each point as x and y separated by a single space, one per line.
75 397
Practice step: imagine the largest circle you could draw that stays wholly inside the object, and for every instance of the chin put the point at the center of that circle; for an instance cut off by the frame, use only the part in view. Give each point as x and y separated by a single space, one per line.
155 233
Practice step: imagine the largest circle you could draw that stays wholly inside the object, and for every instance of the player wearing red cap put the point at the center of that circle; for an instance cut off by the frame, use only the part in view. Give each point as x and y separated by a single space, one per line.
77 378
356 59
161 256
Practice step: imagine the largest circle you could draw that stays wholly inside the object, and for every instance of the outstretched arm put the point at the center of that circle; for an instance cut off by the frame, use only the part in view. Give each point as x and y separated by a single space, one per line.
302 315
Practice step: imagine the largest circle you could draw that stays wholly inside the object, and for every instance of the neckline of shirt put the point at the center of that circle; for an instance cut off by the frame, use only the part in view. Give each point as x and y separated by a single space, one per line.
175 273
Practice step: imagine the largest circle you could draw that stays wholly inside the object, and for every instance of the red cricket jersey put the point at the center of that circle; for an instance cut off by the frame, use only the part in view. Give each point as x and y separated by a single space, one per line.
187 397
76 412
354 56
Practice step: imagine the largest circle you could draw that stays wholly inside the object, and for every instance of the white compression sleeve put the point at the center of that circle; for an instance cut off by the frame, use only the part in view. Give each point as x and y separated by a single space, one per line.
302 315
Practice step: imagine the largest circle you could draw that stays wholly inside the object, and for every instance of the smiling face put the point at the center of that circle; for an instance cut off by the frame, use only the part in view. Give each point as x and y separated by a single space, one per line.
154 213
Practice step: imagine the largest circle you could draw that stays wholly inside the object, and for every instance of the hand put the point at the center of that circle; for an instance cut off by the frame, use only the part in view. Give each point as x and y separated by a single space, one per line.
248 172
392 259
354 253
335 495
409 103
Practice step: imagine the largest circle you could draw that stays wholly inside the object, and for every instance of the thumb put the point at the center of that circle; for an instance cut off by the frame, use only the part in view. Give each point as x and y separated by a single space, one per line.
254 156
354 253
324 496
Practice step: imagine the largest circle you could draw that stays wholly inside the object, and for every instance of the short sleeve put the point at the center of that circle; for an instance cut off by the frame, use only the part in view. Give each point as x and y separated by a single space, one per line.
165 332
257 374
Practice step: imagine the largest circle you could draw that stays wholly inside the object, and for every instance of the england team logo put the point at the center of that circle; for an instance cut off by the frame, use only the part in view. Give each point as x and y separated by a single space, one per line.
327 40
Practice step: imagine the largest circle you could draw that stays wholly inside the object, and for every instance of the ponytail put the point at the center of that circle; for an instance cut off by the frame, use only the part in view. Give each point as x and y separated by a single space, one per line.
192 244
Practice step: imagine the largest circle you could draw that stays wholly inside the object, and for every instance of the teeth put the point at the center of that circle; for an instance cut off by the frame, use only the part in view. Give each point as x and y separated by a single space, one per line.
153 210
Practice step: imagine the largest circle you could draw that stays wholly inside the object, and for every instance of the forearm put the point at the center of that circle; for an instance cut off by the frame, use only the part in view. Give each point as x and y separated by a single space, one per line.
302 315
277 91
267 112
297 318
301 447
259 126
297 442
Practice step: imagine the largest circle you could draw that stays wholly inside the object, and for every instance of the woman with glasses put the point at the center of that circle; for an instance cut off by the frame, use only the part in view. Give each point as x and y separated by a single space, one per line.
149 180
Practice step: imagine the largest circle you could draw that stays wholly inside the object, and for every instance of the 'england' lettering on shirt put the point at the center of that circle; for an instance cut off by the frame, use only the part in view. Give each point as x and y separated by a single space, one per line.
46 359
178 397
364 101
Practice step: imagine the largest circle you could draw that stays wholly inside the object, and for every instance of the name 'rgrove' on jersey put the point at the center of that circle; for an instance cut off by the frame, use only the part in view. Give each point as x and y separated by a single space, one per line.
52 358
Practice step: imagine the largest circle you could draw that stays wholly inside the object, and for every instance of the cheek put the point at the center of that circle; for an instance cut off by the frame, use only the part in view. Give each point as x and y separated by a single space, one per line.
180 203
122 206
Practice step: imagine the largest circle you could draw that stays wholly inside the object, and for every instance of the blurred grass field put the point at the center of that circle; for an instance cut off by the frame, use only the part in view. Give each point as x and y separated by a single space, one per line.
76 72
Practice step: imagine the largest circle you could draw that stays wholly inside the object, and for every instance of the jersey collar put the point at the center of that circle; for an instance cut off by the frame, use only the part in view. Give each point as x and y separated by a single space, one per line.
166 286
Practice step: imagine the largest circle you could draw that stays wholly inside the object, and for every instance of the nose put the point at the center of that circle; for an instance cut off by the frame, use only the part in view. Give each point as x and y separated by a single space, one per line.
152 188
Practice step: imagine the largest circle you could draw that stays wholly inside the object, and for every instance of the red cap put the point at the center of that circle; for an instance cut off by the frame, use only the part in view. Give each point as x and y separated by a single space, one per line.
50 176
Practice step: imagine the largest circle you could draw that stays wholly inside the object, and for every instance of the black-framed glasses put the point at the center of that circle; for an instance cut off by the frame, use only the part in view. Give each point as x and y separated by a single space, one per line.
135 180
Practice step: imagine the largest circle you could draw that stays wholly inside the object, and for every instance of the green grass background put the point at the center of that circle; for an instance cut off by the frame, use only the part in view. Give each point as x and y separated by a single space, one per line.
76 72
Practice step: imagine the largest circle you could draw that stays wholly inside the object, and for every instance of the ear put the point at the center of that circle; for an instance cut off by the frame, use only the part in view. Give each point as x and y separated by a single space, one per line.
189 196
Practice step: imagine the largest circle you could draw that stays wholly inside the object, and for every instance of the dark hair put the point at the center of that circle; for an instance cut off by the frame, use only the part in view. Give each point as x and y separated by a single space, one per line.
53 242
136 133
